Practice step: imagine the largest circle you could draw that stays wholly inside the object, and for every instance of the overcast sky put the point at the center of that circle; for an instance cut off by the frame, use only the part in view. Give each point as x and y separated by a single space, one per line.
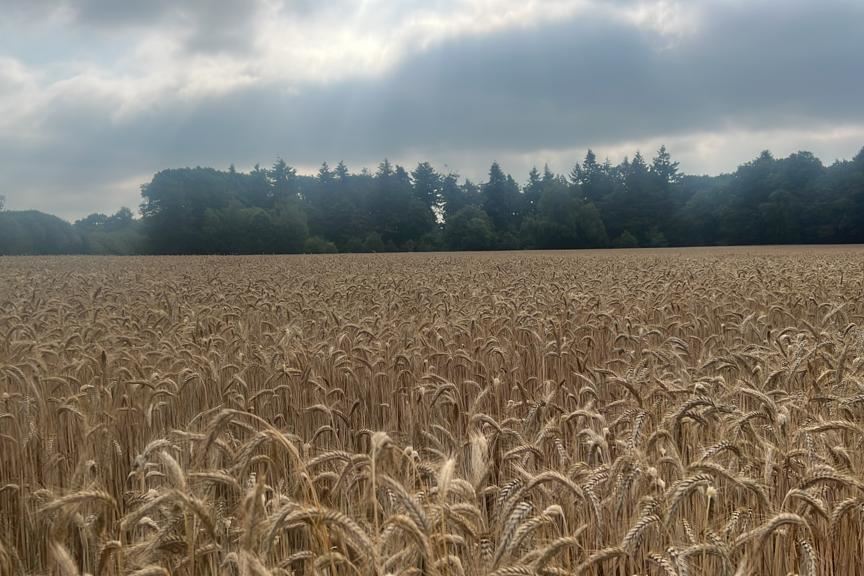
97 95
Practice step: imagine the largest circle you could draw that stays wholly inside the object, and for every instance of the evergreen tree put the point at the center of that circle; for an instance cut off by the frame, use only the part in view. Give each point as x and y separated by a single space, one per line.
664 168
533 189
502 202
325 176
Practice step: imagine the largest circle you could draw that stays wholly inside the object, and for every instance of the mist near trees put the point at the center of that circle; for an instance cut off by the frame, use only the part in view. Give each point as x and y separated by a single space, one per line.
639 202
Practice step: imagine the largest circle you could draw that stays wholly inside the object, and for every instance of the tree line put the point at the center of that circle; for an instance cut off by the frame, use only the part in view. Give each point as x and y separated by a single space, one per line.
636 203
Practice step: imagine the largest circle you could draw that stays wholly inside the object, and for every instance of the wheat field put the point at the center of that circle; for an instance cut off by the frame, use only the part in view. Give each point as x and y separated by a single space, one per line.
671 412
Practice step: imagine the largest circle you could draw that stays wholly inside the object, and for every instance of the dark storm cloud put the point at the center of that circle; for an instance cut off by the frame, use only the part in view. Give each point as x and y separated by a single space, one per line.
592 80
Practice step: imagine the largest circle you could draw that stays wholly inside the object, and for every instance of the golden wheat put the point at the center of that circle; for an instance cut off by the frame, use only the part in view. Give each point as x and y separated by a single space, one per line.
656 412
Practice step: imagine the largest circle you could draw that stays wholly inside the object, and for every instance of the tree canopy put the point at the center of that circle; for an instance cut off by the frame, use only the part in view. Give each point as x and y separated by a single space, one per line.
638 202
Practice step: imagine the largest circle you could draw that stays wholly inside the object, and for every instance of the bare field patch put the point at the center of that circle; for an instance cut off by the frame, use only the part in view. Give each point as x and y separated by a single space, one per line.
664 412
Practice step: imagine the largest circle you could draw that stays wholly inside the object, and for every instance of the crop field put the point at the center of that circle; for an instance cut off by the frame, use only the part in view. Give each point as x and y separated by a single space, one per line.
670 412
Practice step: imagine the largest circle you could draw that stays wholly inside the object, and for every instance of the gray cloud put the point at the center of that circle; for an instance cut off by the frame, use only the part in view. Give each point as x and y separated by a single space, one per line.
592 80
212 26
133 13
577 83
597 82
